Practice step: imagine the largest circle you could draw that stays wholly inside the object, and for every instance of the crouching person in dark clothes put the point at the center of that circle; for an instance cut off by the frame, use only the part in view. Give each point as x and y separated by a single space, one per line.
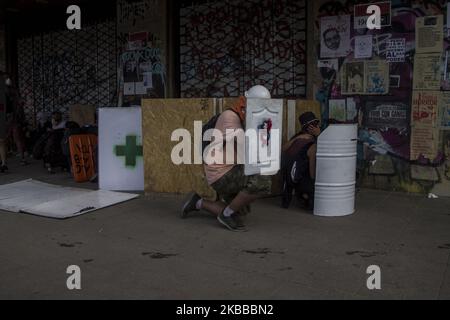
298 162
235 190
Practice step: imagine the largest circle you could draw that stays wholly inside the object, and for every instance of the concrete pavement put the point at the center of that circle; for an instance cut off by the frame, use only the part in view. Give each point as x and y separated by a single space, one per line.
143 250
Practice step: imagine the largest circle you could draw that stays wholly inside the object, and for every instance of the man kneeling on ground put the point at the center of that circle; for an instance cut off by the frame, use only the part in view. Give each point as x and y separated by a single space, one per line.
235 190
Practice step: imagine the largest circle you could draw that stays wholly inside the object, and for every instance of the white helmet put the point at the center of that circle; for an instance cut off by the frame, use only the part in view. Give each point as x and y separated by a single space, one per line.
258 91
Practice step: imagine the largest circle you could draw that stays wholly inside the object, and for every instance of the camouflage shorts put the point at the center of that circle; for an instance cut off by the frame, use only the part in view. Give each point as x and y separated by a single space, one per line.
234 181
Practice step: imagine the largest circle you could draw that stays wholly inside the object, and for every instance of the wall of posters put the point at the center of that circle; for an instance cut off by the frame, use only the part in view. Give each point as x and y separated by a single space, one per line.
363 46
395 50
429 34
377 77
335 36
427 71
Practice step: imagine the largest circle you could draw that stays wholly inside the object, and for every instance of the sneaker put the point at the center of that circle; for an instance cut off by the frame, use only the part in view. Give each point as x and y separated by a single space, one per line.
238 218
230 222
3 168
190 204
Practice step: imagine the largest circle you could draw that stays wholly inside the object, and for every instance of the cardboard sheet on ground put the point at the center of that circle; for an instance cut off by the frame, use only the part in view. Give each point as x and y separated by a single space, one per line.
52 201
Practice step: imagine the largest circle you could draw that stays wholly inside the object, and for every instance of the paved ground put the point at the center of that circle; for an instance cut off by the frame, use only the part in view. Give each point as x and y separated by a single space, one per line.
142 250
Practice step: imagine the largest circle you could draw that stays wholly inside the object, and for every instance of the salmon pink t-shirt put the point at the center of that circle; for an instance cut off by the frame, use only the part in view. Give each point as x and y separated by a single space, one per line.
227 120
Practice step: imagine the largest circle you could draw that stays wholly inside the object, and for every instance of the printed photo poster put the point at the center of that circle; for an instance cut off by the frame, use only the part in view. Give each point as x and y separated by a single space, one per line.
425 108
363 47
377 77
427 71
429 34
337 110
395 50
352 78
386 113
335 36
445 111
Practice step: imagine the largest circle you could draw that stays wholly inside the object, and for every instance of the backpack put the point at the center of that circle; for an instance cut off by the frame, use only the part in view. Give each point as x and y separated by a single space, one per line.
211 124
294 169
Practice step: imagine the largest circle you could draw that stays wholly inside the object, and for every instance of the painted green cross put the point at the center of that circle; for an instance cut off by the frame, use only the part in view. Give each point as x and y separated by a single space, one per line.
130 151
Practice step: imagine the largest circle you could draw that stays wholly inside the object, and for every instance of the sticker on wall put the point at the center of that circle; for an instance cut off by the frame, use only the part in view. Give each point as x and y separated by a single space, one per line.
361 15
394 81
429 34
363 46
395 50
335 36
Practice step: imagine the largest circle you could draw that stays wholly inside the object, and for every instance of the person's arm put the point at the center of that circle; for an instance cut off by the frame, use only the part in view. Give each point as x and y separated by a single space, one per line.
312 151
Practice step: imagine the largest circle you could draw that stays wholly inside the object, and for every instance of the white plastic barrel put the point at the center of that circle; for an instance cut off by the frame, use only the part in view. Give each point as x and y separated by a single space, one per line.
336 171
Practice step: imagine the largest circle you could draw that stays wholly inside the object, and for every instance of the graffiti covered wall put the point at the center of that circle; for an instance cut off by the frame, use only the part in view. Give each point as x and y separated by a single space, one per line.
227 46
142 47
398 148
63 68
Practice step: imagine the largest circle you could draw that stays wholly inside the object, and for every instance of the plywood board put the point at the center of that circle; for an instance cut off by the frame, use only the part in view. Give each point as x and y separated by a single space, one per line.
82 114
160 117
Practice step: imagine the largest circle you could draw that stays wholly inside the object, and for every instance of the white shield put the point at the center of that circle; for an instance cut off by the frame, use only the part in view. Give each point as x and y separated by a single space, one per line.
264 119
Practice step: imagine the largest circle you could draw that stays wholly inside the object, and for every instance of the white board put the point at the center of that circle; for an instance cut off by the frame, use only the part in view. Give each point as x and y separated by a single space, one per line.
121 165
263 155
43 199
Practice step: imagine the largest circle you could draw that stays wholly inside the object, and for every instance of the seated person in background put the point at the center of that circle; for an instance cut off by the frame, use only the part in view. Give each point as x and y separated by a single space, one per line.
53 153
298 162
235 190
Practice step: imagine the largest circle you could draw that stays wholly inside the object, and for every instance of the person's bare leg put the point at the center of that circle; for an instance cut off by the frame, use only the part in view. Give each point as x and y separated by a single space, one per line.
241 200
213 207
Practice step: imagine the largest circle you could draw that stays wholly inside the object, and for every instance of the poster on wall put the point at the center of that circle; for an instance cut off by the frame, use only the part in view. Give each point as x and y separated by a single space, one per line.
424 142
425 108
445 111
445 83
377 77
335 36
361 15
427 71
429 34
387 113
337 110
395 50
352 78
363 46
